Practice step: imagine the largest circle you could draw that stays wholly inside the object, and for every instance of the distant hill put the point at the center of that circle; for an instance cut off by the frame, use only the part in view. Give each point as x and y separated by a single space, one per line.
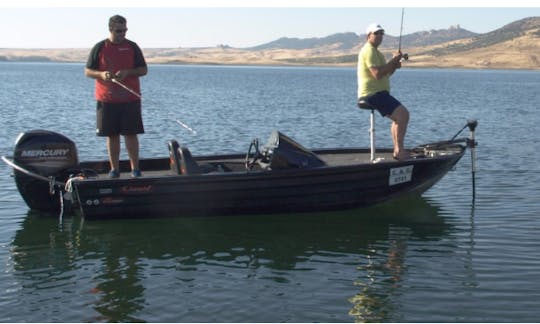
432 37
345 41
513 46
350 40
508 32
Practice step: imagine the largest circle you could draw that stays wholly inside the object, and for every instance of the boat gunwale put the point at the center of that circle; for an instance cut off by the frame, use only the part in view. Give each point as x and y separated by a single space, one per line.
245 175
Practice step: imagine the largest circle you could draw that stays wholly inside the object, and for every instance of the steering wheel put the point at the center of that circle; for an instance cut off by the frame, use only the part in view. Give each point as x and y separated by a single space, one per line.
251 158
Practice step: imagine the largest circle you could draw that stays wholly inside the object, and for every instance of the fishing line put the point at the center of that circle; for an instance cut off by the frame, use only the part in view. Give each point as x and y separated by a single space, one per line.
114 80
401 29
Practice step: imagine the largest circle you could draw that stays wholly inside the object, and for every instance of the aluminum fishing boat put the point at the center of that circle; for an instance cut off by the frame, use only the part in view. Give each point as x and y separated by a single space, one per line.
281 176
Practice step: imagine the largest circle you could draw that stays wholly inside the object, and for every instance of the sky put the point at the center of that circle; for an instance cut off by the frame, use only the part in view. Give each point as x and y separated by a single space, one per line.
237 23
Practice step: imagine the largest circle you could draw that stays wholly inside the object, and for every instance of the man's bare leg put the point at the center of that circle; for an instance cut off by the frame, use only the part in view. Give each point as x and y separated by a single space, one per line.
132 146
113 148
400 120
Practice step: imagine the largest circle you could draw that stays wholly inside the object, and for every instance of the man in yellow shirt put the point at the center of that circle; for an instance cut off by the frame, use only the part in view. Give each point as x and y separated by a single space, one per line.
374 86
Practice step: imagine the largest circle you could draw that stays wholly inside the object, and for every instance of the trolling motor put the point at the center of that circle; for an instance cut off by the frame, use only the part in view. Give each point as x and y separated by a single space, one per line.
471 144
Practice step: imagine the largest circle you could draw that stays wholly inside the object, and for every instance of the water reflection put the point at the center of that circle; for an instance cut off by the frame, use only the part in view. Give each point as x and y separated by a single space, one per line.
119 262
383 267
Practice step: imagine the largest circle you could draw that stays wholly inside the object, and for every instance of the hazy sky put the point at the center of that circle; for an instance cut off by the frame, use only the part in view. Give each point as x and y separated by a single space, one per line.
238 23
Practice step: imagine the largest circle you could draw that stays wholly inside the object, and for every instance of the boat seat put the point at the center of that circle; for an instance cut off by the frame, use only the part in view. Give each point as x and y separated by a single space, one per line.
181 160
188 165
174 156
363 104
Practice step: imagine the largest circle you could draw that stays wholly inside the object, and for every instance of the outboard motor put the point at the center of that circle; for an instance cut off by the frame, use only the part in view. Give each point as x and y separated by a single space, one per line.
284 153
46 154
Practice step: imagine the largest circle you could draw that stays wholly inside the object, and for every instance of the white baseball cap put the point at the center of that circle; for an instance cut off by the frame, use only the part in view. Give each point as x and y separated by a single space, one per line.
373 28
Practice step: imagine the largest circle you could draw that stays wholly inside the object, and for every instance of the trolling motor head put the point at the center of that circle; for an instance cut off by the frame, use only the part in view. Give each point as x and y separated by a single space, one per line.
472 124
471 142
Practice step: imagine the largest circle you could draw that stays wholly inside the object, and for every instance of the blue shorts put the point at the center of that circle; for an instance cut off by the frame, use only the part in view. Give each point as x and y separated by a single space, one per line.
383 102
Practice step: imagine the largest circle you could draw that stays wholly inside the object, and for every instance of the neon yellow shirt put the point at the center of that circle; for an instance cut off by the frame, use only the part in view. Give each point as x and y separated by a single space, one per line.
370 56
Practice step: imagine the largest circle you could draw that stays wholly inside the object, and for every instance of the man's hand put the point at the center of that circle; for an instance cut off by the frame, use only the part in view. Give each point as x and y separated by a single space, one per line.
397 56
120 75
106 76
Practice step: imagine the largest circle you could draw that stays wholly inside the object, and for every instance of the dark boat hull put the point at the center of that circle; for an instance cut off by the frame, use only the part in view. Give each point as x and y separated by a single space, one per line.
294 190
284 177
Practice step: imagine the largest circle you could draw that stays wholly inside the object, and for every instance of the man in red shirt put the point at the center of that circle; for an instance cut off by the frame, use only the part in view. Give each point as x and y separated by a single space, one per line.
113 62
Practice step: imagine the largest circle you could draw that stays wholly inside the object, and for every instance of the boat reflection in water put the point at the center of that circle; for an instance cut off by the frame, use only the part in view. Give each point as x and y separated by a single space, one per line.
123 270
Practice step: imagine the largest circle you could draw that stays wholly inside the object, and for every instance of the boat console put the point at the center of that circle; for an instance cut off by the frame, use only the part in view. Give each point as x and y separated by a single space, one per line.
282 152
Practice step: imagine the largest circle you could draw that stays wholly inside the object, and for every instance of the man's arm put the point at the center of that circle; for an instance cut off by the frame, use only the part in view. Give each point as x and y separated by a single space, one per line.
138 71
388 69
101 75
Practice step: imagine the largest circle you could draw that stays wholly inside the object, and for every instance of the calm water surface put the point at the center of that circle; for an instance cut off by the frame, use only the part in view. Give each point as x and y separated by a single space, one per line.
441 257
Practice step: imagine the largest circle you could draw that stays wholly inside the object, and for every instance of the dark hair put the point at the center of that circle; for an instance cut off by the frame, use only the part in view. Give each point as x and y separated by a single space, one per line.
116 19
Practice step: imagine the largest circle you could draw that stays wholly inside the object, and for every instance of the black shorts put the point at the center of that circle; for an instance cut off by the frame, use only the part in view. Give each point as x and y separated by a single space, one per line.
119 118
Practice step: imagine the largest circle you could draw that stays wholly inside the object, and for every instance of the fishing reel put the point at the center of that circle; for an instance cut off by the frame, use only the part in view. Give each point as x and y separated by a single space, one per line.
405 56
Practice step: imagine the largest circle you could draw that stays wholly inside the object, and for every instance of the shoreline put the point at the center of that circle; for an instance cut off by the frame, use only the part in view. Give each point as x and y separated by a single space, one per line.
270 64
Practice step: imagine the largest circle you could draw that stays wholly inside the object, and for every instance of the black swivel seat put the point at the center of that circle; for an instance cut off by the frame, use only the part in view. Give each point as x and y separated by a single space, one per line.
181 160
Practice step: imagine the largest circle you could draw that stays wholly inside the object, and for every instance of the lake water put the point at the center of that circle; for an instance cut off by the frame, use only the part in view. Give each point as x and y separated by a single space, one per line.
441 257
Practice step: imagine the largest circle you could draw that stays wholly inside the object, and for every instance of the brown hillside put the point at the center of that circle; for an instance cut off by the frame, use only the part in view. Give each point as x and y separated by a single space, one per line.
513 46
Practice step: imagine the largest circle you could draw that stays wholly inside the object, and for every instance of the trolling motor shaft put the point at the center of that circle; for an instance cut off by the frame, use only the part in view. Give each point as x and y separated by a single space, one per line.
471 143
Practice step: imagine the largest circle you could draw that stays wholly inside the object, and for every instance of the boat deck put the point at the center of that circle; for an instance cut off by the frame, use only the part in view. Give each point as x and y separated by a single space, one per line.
354 158
238 164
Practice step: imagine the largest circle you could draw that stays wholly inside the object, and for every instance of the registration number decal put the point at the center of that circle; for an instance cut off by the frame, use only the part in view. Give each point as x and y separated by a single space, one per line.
400 175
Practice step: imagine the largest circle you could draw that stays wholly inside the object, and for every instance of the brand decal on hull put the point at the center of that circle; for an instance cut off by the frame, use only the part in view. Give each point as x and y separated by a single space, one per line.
134 189
47 153
111 200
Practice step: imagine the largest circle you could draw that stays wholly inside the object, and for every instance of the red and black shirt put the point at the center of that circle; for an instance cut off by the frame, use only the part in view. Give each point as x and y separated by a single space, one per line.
107 56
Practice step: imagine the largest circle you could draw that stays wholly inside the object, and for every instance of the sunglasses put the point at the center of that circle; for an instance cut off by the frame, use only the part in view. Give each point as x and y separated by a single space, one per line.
120 31
379 33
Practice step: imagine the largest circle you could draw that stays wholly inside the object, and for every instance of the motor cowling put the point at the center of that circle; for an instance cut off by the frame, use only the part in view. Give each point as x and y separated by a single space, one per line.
49 155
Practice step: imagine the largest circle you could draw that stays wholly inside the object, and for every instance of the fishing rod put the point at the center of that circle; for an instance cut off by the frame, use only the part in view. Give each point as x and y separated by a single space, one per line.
114 80
186 127
405 56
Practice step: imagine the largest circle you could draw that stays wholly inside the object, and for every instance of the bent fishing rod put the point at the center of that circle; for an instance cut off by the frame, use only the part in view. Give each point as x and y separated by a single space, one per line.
405 56
114 80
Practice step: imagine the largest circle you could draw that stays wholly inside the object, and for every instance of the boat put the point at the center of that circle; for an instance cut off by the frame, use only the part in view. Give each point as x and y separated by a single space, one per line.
281 176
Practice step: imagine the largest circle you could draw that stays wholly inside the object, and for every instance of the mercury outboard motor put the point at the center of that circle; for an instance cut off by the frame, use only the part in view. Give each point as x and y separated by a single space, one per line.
48 155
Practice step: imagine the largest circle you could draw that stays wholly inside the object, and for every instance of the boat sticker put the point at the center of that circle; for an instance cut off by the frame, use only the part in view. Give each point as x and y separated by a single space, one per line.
135 189
110 200
400 175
